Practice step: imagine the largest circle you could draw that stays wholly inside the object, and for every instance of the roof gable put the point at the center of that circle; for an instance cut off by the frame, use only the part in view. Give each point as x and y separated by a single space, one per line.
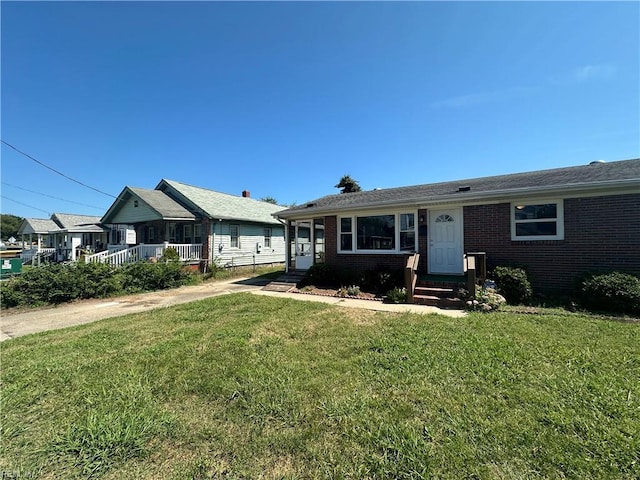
594 175
158 206
37 225
217 205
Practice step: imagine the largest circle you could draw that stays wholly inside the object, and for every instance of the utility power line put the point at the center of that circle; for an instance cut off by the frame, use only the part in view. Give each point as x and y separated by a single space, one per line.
51 196
24 204
56 171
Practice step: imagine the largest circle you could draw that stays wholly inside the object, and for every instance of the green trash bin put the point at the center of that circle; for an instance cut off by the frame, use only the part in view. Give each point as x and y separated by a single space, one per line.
10 267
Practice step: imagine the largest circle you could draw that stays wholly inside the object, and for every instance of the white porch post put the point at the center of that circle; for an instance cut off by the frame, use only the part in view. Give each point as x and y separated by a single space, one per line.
287 247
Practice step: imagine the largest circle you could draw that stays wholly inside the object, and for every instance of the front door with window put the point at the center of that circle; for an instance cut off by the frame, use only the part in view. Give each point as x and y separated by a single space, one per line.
303 245
445 241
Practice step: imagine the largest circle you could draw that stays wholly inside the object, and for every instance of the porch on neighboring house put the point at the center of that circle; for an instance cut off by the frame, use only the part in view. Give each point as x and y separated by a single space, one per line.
149 240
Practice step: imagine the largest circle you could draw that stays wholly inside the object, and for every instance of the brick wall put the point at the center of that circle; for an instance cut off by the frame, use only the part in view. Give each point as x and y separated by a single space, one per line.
600 233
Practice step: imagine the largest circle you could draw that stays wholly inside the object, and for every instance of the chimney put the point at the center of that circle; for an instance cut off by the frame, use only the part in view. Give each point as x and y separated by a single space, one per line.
246 193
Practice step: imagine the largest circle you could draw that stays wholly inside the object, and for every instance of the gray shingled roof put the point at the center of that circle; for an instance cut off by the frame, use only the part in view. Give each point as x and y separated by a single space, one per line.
37 225
591 175
77 223
166 206
218 205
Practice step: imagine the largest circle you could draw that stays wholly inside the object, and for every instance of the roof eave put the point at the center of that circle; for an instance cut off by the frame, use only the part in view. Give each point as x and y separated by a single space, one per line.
624 186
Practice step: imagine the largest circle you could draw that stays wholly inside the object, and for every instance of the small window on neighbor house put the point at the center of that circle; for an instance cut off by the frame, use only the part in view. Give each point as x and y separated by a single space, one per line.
267 237
235 236
172 233
537 221
197 233
151 235
135 203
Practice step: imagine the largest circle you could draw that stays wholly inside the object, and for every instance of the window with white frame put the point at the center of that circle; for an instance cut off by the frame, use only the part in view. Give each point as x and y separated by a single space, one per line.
267 237
235 236
542 220
346 234
377 233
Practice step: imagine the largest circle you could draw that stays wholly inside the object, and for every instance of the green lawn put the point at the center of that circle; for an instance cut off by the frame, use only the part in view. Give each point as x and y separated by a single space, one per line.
243 386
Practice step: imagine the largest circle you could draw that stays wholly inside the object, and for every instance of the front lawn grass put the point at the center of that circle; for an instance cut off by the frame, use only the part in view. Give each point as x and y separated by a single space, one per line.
244 386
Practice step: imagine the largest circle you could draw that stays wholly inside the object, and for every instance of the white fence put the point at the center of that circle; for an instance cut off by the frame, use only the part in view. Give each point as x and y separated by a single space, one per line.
186 252
33 254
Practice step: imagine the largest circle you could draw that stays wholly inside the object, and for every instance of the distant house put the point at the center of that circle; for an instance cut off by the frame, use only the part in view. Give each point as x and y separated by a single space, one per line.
556 223
63 237
205 227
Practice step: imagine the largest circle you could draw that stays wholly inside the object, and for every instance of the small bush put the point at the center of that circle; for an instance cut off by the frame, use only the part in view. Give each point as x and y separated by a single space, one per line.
351 291
485 300
396 295
170 255
513 284
610 292
380 280
329 276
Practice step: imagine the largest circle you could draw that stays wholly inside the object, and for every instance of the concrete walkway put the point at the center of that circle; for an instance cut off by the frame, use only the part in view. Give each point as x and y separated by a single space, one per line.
25 322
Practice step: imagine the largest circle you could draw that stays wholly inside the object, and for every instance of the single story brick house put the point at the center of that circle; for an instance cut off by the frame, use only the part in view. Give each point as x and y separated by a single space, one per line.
205 227
556 223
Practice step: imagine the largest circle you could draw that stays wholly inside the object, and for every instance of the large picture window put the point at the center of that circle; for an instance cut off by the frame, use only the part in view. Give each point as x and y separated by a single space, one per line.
537 221
377 233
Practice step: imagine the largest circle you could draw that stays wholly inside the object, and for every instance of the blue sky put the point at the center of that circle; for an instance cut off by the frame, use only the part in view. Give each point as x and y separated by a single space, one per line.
283 98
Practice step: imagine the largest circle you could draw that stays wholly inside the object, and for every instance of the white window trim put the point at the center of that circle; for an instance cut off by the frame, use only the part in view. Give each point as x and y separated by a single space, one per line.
231 236
267 238
354 234
559 220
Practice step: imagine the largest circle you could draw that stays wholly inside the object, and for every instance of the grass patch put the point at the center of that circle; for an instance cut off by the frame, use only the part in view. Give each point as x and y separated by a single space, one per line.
243 386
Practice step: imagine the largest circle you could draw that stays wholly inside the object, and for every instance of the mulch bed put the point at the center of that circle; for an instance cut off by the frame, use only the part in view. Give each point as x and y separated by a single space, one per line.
328 292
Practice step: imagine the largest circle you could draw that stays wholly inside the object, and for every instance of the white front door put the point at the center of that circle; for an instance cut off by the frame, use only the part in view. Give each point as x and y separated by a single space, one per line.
445 241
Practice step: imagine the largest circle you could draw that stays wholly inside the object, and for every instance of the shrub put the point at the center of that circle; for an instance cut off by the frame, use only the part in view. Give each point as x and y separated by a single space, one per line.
485 300
513 284
610 292
143 276
323 275
380 280
351 291
170 255
396 295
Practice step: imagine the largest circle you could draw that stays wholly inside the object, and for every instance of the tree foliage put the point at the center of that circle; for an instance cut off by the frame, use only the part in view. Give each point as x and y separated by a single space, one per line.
348 185
269 200
9 225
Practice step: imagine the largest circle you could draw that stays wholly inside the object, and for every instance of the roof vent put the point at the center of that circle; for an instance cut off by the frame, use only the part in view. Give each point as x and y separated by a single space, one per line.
597 162
464 188
309 205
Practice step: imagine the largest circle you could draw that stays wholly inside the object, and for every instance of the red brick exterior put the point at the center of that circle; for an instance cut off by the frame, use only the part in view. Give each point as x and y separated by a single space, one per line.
600 233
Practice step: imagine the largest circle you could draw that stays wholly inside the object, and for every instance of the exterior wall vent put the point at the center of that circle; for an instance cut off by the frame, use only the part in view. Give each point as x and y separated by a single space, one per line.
464 188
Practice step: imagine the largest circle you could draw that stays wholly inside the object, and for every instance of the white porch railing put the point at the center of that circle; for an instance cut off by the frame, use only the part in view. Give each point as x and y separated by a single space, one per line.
186 252
28 255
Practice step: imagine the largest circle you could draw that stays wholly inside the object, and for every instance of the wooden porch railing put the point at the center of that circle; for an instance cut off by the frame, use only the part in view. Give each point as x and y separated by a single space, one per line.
186 252
410 275
475 266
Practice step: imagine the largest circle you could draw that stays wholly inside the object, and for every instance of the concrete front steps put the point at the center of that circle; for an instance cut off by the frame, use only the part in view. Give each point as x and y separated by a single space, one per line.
438 294
286 281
